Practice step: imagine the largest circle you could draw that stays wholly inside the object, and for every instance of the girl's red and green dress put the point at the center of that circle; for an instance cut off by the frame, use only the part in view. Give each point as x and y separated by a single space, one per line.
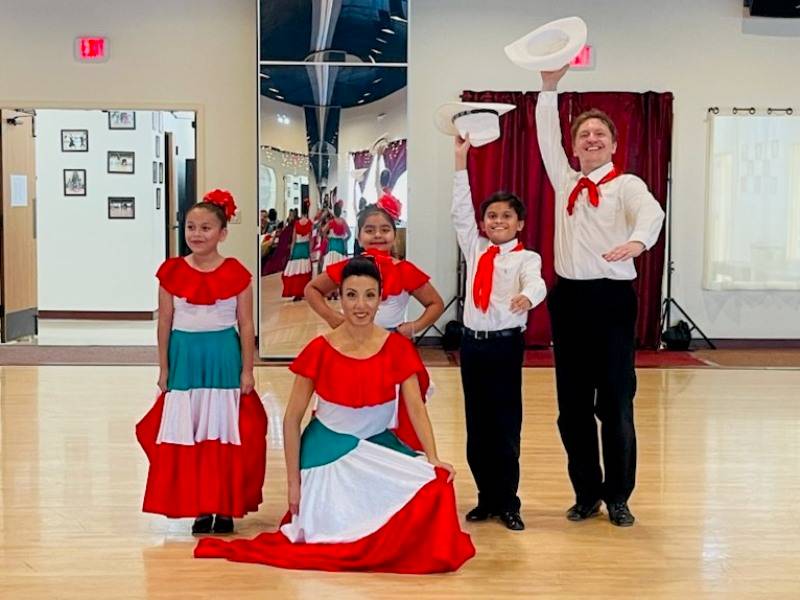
204 439
368 502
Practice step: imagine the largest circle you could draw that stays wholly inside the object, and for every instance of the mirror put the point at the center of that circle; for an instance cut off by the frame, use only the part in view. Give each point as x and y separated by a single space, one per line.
332 139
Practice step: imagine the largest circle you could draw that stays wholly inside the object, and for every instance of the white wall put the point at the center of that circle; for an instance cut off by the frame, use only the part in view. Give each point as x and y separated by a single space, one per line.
86 261
700 50
178 54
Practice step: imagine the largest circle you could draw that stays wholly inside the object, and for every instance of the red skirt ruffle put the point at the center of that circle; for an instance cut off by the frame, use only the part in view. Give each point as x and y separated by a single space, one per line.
423 537
294 285
208 477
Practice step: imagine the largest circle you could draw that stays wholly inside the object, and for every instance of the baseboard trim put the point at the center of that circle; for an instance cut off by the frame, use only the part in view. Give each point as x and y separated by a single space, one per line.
100 315
745 343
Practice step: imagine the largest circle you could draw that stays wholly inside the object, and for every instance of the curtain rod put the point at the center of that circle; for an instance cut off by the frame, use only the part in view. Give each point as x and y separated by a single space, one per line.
751 110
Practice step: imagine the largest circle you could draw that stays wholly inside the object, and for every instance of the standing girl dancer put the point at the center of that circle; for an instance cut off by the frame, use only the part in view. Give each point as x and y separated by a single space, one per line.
205 436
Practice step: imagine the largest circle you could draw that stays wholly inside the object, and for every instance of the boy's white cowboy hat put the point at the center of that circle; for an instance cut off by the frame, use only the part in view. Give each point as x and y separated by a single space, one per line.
481 120
549 47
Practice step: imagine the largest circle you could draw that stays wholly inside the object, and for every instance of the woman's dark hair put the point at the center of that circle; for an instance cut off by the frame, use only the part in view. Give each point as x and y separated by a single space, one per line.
374 209
337 209
513 202
217 211
361 266
272 215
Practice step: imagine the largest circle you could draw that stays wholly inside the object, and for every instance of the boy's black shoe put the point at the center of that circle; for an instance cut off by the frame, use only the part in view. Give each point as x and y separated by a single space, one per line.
512 520
479 513
620 515
202 524
223 524
580 512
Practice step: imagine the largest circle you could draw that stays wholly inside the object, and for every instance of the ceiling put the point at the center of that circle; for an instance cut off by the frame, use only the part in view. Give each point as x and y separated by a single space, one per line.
363 30
355 32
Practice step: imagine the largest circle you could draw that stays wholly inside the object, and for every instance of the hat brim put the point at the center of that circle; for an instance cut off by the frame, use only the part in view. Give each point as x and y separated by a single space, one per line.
550 46
443 118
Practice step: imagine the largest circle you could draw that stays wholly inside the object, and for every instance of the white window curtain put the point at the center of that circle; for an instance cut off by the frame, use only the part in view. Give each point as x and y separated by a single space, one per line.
753 203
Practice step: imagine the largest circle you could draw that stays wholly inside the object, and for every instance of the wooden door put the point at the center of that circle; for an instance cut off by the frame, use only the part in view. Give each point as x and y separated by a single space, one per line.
18 289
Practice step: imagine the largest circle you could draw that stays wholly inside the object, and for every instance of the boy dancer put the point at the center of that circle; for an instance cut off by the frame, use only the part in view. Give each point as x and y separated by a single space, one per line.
503 283
604 219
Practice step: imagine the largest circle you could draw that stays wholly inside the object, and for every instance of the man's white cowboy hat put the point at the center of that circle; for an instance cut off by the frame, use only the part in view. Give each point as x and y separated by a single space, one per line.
549 47
379 145
481 120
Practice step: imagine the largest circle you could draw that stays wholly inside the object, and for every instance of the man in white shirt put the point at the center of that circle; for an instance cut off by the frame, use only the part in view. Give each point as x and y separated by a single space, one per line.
604 219
503 283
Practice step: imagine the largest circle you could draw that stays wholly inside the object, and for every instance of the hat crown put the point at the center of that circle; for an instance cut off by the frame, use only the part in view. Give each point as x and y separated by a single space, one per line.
549 42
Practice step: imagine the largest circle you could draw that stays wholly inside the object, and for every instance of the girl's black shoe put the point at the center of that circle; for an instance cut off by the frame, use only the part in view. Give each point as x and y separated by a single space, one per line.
202 524
223 524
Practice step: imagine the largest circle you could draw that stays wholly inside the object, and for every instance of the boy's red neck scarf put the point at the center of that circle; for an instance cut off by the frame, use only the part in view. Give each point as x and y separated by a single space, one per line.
482 286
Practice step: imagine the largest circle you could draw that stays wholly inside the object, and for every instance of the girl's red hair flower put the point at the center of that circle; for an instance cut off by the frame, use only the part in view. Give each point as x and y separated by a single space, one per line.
223 199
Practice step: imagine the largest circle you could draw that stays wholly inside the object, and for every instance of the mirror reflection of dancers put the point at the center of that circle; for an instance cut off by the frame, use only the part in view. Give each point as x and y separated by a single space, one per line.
298 270
337 232
359 499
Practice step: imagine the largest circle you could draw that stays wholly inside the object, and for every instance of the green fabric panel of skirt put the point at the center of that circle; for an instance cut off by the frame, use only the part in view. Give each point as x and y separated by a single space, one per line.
300 250
337 245
321 446
204 359
387 439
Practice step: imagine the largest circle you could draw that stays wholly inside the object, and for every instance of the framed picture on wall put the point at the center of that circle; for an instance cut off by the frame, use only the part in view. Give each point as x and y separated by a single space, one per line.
160 172
158 198
74 140
155 172
121 162
121 207
158 146
154 120
121 119
74 182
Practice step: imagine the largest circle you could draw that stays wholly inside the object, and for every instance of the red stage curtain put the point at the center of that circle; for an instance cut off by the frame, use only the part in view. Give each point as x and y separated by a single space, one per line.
513 163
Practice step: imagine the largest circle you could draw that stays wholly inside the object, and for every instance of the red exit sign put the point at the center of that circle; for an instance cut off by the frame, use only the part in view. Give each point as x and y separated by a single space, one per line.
584 59
91 49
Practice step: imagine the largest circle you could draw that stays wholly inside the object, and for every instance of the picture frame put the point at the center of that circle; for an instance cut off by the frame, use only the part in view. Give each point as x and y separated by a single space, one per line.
158 198
161 172
74 182
121 119
121 207
158 146
121 162
154 120
74 140
155 172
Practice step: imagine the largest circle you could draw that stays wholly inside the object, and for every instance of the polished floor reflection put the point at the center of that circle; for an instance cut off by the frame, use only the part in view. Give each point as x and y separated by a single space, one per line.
719 479
286 326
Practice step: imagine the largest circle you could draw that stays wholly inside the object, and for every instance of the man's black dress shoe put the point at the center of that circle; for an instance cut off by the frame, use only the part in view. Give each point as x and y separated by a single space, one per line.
579 512
620 515
479 513
223 524
512 520
202 524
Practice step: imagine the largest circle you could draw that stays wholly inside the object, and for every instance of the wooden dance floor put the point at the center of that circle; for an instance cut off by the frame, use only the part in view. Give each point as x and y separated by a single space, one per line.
716 501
